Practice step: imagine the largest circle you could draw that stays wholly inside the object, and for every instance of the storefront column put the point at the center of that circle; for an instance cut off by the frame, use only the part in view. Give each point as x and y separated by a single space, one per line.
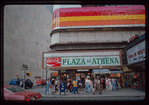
143 79
123 81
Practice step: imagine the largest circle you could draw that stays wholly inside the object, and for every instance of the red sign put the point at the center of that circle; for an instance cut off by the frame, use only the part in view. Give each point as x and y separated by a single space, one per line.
17 75
53 62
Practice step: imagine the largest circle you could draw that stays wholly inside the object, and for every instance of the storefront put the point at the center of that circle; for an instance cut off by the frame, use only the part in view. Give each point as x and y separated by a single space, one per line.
109 73
54 75
80 64
134 75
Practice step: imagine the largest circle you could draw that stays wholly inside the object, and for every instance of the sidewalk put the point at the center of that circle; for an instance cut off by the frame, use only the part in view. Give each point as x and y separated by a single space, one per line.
122 92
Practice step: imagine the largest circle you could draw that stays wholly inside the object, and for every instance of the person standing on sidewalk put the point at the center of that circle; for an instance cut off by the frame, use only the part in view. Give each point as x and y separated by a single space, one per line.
75 87
107 84
97 88
113 84
53 86
68 85
116 83
110 84
56 85
80 84
87 85
91 85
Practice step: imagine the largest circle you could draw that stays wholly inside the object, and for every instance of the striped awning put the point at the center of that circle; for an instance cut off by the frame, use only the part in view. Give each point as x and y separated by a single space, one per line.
105 71
101 71
99 16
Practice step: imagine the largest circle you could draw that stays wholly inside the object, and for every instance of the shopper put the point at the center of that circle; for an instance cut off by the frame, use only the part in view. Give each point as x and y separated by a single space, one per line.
110 84
56 85
114 84
53 86
107 84
75 87
99 82
102 81
96 87
91 85
87 85
68 85
80 85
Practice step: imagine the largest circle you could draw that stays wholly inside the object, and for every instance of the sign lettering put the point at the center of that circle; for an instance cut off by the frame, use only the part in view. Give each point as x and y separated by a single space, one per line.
90 61
136 53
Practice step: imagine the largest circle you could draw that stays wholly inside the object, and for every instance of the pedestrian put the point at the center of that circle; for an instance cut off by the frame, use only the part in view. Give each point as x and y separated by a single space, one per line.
75 87
91 85
68 85
53 86
80 84
99 82
107 84
56 85
87 85
18 82
110 84
102 81
96 87
114 84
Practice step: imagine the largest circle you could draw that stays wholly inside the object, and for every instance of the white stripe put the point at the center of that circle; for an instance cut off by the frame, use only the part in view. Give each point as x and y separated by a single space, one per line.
101 26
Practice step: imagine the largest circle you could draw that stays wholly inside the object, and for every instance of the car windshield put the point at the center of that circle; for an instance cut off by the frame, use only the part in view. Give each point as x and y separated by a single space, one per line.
15 89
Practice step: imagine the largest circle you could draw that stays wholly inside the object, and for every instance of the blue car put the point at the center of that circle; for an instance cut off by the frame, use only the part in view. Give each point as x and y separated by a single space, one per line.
13 82
28 82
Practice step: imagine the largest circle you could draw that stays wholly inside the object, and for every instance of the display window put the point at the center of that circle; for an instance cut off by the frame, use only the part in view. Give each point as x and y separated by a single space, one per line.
133 78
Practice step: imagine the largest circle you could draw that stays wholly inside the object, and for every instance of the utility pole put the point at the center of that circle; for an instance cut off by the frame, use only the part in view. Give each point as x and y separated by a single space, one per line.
24 79
46 72
24 67
100 66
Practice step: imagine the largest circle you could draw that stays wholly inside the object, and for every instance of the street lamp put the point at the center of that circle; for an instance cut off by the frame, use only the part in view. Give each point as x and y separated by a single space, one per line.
100 66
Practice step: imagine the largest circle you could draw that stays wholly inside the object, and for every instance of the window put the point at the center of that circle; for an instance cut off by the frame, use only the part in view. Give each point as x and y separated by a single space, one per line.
15 89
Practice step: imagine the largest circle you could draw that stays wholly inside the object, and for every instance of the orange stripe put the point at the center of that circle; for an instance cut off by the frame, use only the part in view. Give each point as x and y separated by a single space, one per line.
100 22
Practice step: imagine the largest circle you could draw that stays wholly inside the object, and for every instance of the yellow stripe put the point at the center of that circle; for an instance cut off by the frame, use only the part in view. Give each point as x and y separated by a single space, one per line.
89 18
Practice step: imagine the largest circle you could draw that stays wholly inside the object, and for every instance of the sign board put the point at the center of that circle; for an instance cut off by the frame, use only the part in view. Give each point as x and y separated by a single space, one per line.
24 67
77 59
125 68
137 53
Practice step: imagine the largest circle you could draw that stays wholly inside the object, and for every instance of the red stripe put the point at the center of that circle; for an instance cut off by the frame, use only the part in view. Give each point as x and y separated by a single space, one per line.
92 9
96 13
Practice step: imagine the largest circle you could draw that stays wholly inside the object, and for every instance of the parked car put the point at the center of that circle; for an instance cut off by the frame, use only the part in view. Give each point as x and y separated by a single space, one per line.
13 82
40 82
28 83
17 93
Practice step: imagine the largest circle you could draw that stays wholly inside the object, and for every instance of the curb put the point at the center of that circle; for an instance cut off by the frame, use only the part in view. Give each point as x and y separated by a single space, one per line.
84 96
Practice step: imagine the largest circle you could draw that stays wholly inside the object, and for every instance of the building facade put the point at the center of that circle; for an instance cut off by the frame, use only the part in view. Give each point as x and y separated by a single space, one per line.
26 36
134 75
92 29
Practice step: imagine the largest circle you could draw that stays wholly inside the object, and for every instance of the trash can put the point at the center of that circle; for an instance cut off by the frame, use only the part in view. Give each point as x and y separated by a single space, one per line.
47 88
62 88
